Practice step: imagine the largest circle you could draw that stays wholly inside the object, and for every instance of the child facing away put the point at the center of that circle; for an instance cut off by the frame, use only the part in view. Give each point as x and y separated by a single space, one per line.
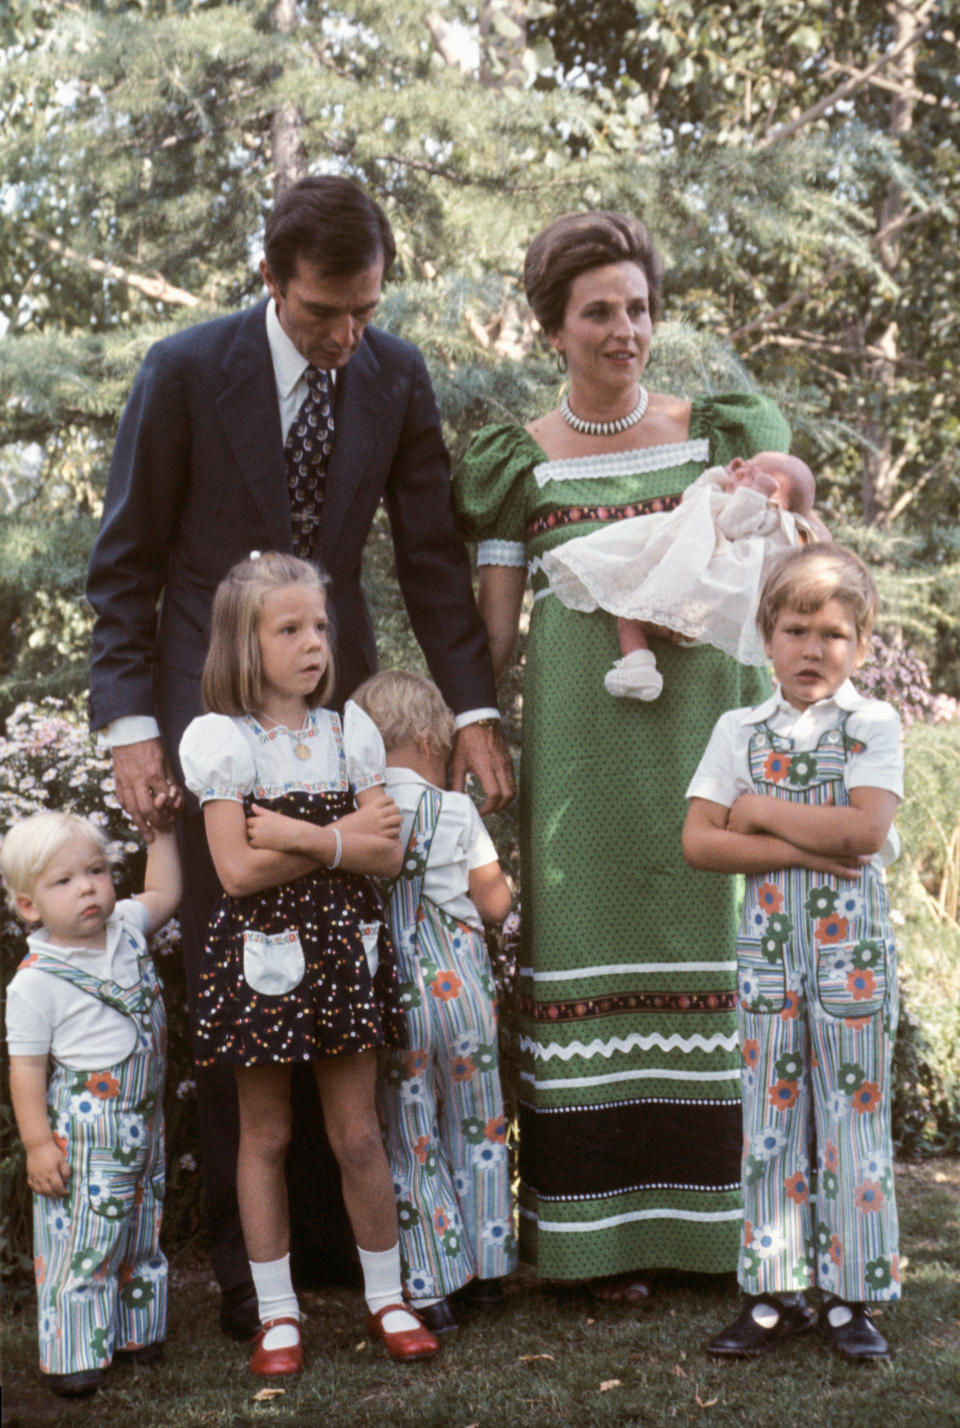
441 1100
86 999
693 572
799 794
298 966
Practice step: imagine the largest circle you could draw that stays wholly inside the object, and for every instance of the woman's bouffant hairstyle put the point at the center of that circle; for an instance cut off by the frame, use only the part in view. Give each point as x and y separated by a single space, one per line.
232 675
574 244
28 847
330 222
406 707
807 578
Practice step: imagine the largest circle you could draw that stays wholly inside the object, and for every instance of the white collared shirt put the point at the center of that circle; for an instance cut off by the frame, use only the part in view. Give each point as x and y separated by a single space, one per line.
47 1014
723 773
460 843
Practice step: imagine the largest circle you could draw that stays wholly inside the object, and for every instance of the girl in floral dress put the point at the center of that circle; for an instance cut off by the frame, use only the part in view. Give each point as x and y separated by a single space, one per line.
298 966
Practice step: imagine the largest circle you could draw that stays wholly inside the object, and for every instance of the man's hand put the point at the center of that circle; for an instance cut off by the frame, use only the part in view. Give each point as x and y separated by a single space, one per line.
145 785
480 750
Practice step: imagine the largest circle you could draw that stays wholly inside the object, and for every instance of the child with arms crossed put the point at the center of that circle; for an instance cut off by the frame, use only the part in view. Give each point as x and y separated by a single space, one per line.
799 794
298 966
441 1100
86 997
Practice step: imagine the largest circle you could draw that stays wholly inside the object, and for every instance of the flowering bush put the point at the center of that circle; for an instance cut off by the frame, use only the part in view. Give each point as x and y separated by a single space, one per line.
47 761
896 673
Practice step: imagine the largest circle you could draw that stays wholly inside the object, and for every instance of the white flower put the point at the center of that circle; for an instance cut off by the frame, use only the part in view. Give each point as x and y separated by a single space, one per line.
401 1189
837 963
874 1164
420 1283
461 1183
133 1131
768 1241
748 1078
496 1232
465 1043
488 1154
850 903
838 1105
826 1272
59 1223
153 1269
47 1325
412 1091
85 1107
747 986
755 922
769 1142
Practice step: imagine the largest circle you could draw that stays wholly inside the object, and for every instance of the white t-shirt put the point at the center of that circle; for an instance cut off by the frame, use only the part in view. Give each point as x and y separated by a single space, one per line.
460 843
723 773
47 1014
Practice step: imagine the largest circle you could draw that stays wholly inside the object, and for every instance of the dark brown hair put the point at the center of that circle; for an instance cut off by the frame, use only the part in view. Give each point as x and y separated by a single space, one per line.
330 222
574 244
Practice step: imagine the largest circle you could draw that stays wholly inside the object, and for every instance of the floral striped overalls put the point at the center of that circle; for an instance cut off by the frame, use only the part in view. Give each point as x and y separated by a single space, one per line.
817 975
441 1100
101 1275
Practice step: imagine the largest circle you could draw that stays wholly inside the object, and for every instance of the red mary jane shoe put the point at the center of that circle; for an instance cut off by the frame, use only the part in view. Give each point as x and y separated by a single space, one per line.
266 1363
405 1344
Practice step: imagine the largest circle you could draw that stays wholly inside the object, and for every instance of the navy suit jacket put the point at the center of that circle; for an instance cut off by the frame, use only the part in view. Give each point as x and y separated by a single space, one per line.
197 481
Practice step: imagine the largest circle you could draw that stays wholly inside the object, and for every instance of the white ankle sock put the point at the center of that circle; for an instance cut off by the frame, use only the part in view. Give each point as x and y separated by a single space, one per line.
276 1300
381 1286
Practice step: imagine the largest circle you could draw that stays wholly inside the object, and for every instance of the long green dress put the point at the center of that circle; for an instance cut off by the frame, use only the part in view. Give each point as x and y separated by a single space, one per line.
630 1113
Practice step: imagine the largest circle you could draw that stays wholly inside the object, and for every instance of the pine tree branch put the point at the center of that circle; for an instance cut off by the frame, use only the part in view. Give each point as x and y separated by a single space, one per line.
156 287
849 86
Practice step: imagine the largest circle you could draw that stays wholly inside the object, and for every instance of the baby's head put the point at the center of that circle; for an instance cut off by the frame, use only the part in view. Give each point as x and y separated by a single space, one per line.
785 480
806 579
56 870
408 709
232 673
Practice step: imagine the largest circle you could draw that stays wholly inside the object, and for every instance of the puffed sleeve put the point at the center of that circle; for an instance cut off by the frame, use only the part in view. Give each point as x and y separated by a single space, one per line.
217 760
489 492
739 424
363 746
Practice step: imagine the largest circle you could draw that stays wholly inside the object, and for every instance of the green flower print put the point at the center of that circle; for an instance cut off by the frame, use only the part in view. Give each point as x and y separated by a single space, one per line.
430 1164
86 1262
137 1292
771 949
779 927
867 954
752 1170
111 1208
409 996
451 1243
824 1237
788 1066
878 1274
126 1157
393 1068
801 1274
489 987
430 972
749 1263
803 769
98 1343
886 1181
147 1105
821 901
407 1215
485 1057
472 1128
850 1077
829 1184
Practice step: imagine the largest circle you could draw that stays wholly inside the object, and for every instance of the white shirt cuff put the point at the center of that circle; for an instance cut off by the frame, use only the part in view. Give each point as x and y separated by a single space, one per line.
128 729
470 716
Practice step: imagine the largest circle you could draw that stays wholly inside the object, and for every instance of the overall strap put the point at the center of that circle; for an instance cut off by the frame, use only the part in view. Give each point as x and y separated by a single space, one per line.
405 893
129 1001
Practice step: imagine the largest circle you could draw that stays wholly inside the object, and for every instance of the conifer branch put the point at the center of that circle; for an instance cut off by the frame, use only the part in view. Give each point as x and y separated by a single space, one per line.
155 287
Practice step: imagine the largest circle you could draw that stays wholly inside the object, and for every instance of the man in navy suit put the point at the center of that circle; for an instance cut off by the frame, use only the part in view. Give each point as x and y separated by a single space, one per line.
198 480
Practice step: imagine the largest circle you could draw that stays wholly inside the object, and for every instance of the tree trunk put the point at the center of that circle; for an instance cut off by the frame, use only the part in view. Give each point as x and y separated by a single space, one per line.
286 123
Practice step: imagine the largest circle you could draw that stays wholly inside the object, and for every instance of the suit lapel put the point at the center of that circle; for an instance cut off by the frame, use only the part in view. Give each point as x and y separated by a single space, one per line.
362 396
248 412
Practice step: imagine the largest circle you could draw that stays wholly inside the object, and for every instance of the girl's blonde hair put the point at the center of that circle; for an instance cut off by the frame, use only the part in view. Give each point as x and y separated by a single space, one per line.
407 708
29 846
807 578
232 675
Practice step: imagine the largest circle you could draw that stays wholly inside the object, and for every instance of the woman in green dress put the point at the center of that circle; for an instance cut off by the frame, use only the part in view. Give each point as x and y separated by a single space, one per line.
629 1095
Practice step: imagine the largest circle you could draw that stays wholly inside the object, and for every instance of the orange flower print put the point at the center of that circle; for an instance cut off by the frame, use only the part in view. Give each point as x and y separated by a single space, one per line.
446 987
496 1129
463 1069
831 1156
770 897
791 1005
796 1187
747 1233
102 1085
836 1249
420 1148
61 1142
866 1097
869 1197
861 983
441 1221
751 1052
857 1023
138 1193
895 1268
776 767
124 1274
416 1061
783 1094
40 1269
831 929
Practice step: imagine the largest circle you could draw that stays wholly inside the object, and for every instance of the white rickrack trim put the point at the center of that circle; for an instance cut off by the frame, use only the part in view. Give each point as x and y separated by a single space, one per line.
634 1189
546 1050
618 1105
622 463
502 552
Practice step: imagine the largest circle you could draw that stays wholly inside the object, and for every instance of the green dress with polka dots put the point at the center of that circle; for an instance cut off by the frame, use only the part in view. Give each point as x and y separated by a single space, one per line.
629 1090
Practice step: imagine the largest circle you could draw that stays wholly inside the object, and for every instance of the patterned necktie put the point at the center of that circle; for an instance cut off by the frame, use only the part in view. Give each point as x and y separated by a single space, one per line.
309 443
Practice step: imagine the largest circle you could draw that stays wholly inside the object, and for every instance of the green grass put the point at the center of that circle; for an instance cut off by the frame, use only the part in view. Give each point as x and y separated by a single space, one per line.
545 1358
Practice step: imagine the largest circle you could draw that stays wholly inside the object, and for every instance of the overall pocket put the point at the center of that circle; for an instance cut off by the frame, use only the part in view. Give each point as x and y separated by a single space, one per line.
761 979
272 962
852 977
110 1185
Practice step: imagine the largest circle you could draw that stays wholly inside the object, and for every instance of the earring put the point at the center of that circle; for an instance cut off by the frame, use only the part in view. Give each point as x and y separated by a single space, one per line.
561 361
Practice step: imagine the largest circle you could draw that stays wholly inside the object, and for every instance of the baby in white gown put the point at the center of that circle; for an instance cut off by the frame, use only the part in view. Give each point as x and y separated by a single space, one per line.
693 572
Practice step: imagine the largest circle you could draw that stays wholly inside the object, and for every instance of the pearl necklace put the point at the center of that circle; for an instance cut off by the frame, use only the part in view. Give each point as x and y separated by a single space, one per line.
606 428
301 749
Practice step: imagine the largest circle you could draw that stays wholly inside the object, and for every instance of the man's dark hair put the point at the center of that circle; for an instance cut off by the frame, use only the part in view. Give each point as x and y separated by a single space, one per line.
331 223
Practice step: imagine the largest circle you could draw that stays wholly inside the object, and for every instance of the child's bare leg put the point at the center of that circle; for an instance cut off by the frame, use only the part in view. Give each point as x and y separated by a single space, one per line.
635 675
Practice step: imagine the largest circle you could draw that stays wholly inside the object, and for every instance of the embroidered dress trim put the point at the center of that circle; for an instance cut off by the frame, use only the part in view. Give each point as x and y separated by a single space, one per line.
501 552
622 463
574 515
584 1007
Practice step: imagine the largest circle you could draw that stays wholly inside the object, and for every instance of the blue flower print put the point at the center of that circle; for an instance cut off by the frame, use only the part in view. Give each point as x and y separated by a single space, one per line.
496 1232
401 1189
850 903
47 1325
769 1142
420 1283
413 1091
488 1155
462 1183
768 1241
85 1107
133 1132
755 921
465 1043
59 1223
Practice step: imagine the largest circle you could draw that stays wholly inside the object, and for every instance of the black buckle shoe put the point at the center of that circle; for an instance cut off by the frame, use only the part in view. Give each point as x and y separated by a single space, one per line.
858 1339
745 1338
438 1318
76 1385
240 1312
483 1294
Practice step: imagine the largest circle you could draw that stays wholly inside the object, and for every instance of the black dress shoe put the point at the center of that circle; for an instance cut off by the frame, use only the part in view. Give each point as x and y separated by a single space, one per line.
438 1318
240 1312
858 1339
76 1385
745 1338
146 1354
483 1294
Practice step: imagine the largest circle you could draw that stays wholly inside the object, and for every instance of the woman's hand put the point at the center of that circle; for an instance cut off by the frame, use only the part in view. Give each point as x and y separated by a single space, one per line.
378 815
274 831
